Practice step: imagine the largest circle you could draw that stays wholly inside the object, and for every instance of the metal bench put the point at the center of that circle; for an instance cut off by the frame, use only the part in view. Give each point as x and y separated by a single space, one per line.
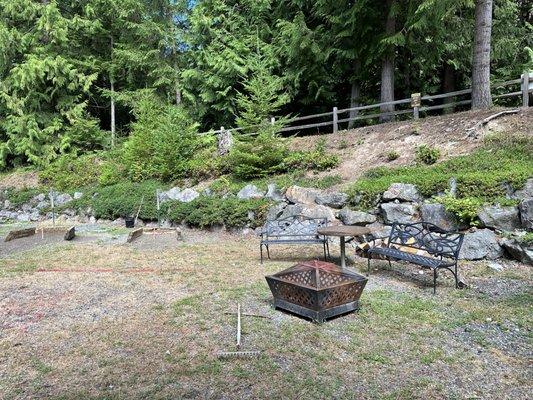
293 230
442 248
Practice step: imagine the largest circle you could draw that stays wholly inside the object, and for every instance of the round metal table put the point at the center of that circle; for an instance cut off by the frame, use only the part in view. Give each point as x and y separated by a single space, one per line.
342 232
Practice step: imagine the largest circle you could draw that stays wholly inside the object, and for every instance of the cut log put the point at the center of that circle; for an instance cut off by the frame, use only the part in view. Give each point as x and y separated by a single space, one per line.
472 131
70 233
19 233
134 235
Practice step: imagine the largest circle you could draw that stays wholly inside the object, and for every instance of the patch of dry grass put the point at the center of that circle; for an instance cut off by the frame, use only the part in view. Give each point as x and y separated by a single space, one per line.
105 321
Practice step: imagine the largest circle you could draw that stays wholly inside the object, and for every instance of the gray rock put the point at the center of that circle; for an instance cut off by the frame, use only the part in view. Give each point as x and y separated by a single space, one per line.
250 192
300 195
275 211
526 192
38 198
42 204
78 195
482 243
402 192
225 142
517 251
187 195
379 230
207 192
273 193
61 199
7 204
495 266
452 187
309 211
349 217
503 218
171 194
399 212
437 215
6 215
526 213
332 199
23 217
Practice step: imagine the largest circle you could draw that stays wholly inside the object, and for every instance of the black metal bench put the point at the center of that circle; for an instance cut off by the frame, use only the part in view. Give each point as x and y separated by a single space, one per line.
293 230
441 246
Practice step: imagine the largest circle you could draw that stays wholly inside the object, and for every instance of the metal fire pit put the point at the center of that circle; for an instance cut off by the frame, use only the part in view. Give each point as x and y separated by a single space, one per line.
317 290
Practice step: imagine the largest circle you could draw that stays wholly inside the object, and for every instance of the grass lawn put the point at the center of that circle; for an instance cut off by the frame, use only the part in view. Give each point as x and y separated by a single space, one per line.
100 320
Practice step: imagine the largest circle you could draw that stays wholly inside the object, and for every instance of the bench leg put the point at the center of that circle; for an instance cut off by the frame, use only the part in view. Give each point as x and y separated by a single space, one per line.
327 248
268 251
434 280
261 252
325 256
456 277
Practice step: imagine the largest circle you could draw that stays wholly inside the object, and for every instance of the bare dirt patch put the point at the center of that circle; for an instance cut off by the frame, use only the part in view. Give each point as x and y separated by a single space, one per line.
364 148
19 180
104 320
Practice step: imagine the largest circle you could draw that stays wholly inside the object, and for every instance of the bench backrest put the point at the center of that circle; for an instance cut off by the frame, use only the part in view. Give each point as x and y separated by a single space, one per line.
297 226
428 237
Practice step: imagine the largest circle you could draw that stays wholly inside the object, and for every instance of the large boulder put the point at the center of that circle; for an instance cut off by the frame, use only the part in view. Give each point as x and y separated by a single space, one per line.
482 243
275 211
379 230
502 218
313 211
273 193
399 212
171 194
300 195
332 199
437 215
61 199
402 192
526 213
187 195
518 251
250 192
526 192
349 217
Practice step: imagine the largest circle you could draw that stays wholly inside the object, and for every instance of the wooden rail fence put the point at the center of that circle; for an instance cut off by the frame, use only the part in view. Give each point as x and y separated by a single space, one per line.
417 104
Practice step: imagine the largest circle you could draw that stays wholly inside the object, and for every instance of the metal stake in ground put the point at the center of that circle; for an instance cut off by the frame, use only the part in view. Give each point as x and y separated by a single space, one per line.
238 353
51 195
158 205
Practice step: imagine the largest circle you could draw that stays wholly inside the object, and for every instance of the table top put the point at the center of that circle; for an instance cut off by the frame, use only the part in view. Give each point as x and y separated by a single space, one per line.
343 230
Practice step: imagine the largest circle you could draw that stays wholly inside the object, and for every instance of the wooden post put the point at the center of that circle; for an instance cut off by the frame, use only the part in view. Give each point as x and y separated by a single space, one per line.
51 195
525 89
415 103
335 120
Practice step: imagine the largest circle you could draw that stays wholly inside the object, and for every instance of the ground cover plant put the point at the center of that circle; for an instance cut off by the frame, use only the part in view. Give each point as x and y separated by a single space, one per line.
96 319
481 176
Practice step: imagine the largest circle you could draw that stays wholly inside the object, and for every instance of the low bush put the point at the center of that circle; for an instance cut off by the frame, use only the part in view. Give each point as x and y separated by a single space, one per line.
20 197
465 209
69 172
427 155
231 212
392 155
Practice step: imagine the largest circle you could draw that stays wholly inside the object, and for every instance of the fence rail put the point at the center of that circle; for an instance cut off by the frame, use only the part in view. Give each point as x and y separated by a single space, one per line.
415 107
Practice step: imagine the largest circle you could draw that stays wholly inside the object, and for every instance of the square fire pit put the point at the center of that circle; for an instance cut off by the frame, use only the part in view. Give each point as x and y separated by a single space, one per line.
317 289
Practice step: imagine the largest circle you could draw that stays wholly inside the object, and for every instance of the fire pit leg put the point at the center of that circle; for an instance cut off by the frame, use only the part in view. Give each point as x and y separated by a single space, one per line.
343 252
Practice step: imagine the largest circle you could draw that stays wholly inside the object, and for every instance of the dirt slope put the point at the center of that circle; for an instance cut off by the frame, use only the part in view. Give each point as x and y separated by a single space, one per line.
367 147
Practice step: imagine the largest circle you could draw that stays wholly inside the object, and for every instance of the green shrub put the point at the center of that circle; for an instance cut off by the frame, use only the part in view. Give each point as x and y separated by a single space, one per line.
69 172
258 156
205 212
427 155
163 140
392 155
526 239
123 199
22 196
465 209
318 159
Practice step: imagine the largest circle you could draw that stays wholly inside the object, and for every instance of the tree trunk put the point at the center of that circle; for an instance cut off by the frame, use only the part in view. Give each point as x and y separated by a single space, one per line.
387 67
481 97
112 88
448 85
112 106
355 94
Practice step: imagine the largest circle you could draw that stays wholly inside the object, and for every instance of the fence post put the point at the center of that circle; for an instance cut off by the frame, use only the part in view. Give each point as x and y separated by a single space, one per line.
415 103
335 120
525 89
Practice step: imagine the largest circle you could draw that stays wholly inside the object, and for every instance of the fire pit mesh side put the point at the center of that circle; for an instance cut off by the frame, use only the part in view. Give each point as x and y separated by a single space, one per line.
340 295
301 277
327 279
293 294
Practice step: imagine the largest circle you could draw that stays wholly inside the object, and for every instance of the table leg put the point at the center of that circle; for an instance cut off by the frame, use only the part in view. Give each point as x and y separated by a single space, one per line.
343 252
